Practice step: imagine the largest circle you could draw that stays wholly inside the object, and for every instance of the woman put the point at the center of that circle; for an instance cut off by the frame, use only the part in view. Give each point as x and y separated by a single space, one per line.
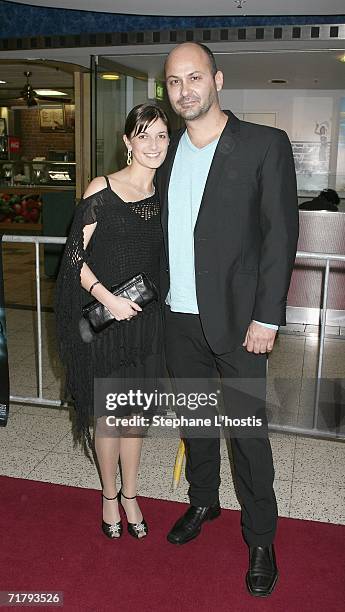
115 235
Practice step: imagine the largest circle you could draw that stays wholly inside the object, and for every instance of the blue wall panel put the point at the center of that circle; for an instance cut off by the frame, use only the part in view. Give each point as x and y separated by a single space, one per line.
17 20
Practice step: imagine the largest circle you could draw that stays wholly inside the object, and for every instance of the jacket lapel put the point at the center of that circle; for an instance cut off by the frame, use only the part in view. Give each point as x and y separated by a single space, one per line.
166 173
226 146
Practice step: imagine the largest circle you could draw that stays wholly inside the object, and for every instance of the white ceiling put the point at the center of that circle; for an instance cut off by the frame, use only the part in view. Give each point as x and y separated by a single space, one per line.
43 75
199 7
317 70
242 70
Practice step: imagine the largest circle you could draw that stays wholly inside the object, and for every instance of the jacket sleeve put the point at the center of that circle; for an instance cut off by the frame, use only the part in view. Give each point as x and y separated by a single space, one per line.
279 230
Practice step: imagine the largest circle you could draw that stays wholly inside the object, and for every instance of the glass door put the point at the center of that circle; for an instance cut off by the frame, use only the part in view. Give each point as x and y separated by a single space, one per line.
116 89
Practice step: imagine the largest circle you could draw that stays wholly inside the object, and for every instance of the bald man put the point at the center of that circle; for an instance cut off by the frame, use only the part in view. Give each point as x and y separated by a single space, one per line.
230 223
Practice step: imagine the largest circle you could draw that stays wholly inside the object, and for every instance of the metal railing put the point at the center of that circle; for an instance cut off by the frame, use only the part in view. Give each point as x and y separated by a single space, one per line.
40 400
327 257
36 240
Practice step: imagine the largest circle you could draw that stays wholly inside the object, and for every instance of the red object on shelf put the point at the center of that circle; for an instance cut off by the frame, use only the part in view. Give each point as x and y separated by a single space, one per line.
13 144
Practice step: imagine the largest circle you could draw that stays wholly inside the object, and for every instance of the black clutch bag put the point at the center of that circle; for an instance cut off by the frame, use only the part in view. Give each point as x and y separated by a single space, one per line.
140 289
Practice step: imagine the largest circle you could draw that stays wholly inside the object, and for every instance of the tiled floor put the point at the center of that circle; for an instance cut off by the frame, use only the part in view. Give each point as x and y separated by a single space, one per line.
37 442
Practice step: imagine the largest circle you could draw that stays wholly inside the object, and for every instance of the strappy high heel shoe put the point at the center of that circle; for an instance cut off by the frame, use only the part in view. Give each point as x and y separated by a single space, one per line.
114 530
137 530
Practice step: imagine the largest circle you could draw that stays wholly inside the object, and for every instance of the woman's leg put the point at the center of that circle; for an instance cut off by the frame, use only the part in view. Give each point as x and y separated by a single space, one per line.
107 450
143 377
130 452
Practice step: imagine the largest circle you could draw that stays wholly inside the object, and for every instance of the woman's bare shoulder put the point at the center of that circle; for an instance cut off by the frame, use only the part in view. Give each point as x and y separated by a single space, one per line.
120 177
97 184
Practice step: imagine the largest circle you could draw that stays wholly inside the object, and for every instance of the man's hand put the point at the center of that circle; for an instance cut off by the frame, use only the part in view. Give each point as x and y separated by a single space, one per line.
259 339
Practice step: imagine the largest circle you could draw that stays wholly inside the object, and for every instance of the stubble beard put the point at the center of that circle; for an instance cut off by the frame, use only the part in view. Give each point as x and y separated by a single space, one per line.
190 114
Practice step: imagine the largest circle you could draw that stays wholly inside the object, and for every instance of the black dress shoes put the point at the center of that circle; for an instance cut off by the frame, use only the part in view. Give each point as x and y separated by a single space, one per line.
262 574
188 526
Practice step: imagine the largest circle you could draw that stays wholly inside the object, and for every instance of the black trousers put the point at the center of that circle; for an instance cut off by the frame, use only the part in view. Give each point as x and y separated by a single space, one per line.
189 356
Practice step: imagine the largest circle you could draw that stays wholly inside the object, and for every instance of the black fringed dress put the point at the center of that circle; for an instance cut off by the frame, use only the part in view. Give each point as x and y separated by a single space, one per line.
127 240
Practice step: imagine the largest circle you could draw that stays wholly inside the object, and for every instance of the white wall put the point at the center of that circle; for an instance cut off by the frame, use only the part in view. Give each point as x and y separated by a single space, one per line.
297 112
292 106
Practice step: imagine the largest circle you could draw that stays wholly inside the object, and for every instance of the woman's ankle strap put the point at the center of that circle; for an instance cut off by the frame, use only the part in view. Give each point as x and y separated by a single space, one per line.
109 498
125 496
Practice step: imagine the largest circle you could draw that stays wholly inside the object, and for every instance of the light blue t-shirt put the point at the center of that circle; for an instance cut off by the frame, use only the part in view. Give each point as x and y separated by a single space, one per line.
187 183
186 187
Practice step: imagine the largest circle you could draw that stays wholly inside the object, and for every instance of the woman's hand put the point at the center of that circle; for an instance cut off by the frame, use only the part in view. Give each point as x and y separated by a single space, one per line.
121 308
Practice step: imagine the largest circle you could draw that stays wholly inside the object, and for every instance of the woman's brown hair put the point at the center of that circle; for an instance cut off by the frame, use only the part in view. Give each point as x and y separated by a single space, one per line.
142 116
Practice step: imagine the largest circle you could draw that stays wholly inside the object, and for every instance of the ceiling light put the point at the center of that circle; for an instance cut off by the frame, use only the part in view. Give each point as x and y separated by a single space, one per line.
3 81
278 81
110 77
50 92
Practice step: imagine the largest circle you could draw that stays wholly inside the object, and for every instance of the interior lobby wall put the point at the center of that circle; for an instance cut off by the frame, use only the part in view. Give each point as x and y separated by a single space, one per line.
300 113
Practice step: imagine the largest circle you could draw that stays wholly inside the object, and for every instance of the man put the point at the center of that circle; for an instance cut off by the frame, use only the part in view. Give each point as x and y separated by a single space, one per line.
230 222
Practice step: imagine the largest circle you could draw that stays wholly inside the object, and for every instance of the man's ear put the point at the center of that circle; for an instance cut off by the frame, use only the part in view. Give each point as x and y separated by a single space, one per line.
219 80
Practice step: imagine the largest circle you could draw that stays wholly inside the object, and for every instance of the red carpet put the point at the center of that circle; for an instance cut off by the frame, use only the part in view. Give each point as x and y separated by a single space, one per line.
51 540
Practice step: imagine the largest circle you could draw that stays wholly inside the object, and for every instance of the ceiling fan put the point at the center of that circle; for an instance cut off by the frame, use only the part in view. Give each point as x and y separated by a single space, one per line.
30 96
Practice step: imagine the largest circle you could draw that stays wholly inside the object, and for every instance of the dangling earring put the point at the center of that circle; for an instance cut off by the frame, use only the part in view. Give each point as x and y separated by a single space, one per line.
129 157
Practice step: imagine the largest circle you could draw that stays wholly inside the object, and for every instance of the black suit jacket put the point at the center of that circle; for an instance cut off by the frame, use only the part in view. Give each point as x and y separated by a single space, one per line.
245 237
